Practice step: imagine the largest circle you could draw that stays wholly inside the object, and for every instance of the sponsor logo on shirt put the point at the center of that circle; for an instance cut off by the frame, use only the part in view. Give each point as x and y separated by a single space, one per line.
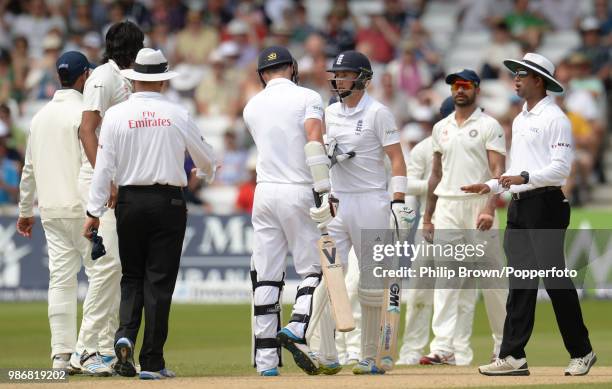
390 132
534 130
149 120
473 133
561 144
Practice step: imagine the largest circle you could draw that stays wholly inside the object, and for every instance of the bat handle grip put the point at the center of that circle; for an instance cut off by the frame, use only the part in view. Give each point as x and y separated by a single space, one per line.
317 198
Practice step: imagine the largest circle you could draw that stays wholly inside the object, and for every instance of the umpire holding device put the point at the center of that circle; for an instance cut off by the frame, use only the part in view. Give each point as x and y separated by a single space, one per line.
142 143
541 159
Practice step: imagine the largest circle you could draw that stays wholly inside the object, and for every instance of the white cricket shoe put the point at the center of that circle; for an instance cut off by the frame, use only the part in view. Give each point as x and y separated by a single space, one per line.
438 358
75 364
62 362
92 364
505 366
411 358
581 366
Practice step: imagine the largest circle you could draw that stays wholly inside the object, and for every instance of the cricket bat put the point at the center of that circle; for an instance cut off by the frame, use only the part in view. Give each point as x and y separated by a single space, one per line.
334 280
389 321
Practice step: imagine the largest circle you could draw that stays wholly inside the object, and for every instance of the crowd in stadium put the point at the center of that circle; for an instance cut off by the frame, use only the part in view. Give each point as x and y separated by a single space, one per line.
412 44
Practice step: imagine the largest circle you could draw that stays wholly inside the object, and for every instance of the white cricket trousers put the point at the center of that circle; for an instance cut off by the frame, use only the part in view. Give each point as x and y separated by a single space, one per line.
67 249
281 224
452 334
103 294
357 212
420 298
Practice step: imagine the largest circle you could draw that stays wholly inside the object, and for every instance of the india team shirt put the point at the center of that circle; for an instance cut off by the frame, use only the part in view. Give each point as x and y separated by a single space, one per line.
104 88
464 151
365 129
275 118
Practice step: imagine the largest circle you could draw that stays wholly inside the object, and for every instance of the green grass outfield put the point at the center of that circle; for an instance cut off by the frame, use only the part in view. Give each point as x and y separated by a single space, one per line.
214 340
598 219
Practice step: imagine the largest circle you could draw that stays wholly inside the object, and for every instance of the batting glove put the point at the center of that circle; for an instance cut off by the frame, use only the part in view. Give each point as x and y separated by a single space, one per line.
324 214
402 217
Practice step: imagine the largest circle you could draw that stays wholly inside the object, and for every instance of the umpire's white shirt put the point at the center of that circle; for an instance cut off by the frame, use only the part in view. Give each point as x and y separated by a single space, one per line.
542 145
275 118
53 159
143 142
365 129
464 151
104 88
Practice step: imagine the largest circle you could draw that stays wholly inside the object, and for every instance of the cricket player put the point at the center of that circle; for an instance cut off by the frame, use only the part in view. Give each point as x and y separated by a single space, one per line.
360 124
283 118
468 146
53 161
104 88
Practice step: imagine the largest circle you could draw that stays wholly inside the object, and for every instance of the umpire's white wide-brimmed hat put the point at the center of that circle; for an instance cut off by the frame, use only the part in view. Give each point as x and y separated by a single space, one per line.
150 65
539 64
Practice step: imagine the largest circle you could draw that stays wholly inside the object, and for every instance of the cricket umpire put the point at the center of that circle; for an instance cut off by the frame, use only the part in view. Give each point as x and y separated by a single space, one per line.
142 144
540 161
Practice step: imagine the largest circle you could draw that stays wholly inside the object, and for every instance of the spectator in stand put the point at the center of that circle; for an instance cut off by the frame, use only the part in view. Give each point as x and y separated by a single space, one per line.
318 78
388 94
382 36
478 15
15 139
217 93
217 13
424 47
170 12
337 37
196 41
116 14
233 162
409 73
80 20
7 77
301 28
240 32
92 47
161 38
592 47
246 190
35 24
501 48
21 67
42 80
524 24
9 175
135 10
603 13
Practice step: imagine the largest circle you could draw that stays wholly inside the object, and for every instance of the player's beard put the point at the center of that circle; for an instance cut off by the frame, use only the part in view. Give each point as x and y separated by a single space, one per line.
464 100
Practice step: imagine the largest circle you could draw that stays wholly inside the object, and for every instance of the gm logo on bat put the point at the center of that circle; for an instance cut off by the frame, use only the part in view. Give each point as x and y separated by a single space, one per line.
394 298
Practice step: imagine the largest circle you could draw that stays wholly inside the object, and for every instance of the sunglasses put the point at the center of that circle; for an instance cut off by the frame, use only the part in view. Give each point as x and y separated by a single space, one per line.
521 73
466 85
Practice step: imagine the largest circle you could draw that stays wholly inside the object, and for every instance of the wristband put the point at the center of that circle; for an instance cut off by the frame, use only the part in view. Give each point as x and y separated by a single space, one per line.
399 184
90 215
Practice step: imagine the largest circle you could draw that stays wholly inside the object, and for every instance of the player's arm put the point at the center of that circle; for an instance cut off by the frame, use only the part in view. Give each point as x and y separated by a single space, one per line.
417 164
398 169
496 167
432 199
27 188
104 171
87 133
200 151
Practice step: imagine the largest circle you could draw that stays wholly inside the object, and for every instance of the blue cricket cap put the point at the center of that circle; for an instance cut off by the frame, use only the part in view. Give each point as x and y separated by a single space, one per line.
71 65
465 74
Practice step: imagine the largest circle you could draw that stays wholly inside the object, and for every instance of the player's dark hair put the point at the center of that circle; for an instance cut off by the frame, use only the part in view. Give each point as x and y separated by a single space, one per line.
123 41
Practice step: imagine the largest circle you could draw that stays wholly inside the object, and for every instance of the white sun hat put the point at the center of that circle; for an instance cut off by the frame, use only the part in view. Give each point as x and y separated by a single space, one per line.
150 65
539 64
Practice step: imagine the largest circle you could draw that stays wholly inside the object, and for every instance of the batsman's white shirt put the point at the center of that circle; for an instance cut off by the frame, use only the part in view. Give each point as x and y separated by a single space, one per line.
275 118
280 136
464 151
143 142
364 129
104 88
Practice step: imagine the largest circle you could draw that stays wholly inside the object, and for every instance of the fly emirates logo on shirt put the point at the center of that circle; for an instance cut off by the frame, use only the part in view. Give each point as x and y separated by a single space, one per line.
149 119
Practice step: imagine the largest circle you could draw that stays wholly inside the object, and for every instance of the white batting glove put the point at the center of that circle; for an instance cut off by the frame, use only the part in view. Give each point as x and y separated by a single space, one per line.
402 217
324 214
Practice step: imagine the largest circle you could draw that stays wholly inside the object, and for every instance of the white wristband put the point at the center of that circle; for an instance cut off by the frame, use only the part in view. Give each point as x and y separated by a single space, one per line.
398 184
